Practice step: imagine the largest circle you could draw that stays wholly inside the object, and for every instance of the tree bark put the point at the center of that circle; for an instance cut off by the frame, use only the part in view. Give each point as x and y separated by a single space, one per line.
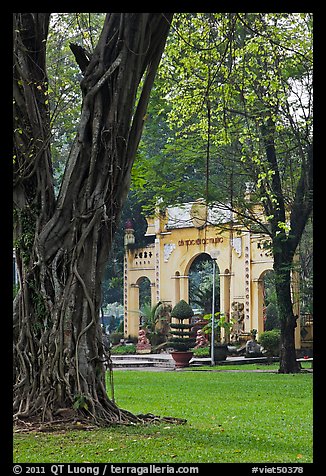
283 263
62 245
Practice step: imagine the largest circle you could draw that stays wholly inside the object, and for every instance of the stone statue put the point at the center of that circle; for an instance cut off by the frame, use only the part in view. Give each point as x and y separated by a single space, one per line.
253 349
201 339
237 315
143 344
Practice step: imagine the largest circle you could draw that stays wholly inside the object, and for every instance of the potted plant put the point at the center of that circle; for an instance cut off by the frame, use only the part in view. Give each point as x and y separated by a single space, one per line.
180 338
220 346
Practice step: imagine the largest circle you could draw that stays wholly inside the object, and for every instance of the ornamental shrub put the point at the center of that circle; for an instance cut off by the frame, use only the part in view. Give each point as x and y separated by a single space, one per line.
270 340
123 349
202 352
182 310
180 333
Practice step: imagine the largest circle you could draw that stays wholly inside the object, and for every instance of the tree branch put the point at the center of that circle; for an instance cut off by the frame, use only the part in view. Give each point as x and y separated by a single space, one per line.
81 56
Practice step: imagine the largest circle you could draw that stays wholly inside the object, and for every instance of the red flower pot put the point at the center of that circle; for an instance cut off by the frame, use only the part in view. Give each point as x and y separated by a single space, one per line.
182 359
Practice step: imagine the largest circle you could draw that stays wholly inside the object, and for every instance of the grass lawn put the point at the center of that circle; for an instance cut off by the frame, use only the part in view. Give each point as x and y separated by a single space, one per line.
273 366
231 417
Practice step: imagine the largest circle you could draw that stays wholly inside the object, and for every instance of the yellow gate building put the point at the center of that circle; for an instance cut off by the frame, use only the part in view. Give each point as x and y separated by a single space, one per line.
176 238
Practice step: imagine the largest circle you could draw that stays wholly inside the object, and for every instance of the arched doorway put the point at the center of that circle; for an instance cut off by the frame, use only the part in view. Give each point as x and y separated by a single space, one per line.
140 295
201 284
144 292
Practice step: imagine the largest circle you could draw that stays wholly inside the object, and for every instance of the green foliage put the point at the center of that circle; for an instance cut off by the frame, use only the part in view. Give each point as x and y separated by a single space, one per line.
223 103
150 316
202 352
270 340
201 284
182 310
181 340
210 59
220 322
123 349
112 287
154 323
180 326
272 320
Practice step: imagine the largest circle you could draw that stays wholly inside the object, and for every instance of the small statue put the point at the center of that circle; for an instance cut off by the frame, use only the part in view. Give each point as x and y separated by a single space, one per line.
201 339
253 349
237 315
143 344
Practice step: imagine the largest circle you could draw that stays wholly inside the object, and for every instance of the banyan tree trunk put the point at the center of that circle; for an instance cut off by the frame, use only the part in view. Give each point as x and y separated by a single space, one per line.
62 244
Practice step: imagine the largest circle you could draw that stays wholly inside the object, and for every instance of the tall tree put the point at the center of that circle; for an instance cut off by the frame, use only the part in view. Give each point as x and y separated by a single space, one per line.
240 86
62 243
276 102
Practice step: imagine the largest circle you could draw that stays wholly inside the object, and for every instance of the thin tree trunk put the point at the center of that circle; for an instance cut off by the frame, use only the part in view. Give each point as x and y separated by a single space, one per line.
282 268
62 246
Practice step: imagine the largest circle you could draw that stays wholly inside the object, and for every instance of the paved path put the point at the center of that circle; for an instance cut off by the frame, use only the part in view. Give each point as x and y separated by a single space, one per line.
143 362
164 362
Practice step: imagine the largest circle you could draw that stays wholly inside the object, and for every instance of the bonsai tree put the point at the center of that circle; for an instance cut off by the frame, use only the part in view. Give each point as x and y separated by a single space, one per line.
180 332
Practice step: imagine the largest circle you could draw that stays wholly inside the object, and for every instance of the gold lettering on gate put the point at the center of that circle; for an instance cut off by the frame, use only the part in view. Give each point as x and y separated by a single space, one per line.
201 241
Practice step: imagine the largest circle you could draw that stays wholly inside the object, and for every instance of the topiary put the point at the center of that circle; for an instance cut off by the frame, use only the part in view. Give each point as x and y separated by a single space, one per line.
180 336
182 310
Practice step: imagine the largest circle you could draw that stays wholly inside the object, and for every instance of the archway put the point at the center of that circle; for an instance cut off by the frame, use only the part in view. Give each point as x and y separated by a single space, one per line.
140 295
200 272
144 293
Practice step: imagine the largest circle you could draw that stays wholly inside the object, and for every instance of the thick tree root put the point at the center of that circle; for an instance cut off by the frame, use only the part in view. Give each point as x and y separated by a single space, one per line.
68 420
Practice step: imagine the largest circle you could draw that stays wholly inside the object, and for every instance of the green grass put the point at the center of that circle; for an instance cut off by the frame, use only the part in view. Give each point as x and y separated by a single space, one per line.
231 417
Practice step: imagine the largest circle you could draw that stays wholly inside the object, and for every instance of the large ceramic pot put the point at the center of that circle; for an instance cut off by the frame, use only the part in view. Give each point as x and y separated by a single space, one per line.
182 359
